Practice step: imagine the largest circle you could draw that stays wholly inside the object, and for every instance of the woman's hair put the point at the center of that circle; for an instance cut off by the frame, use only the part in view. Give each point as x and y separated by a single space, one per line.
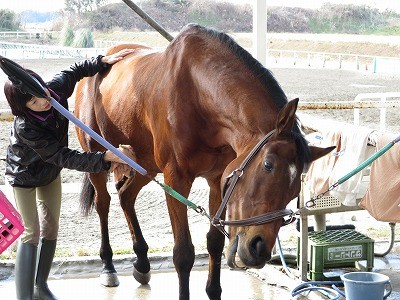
17 97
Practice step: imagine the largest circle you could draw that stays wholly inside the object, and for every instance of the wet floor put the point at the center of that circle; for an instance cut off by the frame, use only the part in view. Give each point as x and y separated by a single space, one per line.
267 283
163 285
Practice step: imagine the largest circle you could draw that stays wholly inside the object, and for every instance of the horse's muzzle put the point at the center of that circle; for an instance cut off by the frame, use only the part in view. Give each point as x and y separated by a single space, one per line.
243 253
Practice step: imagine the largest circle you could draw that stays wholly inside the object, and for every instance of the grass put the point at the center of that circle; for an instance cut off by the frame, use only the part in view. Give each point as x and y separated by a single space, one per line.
395 31
152 39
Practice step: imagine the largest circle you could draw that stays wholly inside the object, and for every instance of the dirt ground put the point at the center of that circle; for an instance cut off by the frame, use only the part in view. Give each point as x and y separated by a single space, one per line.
80 236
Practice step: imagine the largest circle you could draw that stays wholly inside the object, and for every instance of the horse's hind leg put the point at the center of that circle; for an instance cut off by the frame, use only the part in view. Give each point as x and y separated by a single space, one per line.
102 199
128 193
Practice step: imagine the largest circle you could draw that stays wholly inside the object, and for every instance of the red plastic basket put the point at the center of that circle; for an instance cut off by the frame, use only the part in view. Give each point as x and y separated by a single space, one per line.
10 223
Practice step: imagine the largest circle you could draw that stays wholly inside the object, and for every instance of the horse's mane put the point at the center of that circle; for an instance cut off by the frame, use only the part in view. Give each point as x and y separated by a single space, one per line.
263 74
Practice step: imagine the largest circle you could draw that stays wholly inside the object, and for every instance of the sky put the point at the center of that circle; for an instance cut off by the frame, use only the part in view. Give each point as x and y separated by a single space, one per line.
55 5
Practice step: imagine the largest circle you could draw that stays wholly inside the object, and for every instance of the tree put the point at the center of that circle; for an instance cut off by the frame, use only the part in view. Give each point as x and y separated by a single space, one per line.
67 36
8 20
83 39
82 6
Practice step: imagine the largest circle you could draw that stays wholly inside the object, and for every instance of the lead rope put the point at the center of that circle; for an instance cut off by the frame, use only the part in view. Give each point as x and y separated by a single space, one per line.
170 191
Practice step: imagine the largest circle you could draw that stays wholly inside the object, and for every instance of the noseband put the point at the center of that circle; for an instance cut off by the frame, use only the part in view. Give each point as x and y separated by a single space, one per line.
227 190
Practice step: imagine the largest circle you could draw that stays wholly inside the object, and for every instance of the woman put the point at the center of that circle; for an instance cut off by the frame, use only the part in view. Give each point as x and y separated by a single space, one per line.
37 153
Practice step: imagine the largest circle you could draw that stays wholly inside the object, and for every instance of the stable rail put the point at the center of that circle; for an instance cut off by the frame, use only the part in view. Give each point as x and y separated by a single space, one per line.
381 101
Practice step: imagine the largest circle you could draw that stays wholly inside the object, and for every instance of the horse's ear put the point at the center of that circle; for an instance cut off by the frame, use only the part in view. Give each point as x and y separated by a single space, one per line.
318 152
287 117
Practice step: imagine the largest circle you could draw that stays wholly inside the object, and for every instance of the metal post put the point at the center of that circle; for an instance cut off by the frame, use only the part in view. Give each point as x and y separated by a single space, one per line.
320 222
260 30
382 123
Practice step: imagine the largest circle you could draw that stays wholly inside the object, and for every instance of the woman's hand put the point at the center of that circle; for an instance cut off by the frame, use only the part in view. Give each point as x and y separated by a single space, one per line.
119 166
125 149
113 58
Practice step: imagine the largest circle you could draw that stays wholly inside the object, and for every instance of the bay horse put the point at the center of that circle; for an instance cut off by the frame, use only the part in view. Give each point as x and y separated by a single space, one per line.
197 108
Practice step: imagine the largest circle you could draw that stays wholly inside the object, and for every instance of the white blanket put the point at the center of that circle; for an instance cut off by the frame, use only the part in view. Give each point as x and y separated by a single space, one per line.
353 151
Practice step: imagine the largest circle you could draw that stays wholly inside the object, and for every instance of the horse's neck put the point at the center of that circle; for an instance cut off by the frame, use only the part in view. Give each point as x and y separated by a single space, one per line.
244 124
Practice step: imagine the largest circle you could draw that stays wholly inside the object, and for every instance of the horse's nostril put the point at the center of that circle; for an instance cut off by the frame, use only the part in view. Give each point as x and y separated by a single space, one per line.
258 246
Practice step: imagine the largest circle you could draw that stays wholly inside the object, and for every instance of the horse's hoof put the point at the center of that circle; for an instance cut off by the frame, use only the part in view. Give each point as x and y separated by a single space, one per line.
142 278
109 279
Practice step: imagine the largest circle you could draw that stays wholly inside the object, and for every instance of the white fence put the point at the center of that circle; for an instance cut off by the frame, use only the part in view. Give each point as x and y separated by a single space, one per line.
328 60
27 35
285 58
33 51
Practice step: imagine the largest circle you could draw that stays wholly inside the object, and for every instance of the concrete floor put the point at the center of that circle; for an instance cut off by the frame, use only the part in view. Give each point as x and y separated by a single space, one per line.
163 285
79 280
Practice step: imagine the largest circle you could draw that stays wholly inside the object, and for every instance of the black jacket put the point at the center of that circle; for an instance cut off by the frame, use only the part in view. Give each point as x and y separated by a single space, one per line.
38 147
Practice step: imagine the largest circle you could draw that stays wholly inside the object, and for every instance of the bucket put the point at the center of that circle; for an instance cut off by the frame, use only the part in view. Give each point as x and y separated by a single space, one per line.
366 286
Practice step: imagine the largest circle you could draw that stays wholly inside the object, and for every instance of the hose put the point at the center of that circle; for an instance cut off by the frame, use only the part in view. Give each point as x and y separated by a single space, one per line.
392 240
284 265
311 285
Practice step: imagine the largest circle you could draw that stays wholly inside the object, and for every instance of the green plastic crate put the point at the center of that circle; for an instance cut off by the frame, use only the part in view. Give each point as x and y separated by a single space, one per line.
337 249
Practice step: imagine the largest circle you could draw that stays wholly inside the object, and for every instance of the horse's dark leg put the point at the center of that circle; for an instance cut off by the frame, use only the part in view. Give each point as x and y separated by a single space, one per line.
183 252
128 194
108 275
215 245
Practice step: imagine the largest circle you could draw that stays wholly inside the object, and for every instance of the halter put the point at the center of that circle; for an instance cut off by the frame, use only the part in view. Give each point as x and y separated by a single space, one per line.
227 192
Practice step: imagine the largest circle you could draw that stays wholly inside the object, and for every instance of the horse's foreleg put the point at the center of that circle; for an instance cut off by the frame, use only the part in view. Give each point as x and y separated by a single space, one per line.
128 194
183 252
215 246
108 275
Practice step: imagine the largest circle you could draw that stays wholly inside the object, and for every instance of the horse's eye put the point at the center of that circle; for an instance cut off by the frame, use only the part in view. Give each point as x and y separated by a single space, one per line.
268 166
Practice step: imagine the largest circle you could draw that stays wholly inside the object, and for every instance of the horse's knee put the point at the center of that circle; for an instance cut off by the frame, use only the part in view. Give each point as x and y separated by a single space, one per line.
215 242
183 258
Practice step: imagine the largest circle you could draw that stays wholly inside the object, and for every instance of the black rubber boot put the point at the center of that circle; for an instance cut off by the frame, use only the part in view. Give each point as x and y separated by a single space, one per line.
25 267
46 254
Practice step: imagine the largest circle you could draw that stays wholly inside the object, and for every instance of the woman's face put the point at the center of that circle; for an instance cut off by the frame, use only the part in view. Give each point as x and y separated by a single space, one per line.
39 104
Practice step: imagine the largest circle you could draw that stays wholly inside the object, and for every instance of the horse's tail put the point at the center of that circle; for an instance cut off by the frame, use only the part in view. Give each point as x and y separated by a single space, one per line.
86 198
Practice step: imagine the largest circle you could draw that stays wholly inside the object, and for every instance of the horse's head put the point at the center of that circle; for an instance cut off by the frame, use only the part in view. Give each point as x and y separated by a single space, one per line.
269 180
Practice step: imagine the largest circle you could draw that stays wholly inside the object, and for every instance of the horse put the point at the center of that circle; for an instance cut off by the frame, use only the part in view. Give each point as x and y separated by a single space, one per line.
200 107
